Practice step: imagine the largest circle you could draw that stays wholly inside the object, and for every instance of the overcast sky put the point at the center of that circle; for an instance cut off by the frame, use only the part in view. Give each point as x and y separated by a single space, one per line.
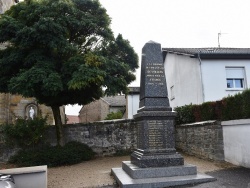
179 23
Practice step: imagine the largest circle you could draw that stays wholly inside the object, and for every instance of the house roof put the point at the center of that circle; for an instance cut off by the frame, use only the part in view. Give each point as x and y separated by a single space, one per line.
134 90
210 53
72 119
118 100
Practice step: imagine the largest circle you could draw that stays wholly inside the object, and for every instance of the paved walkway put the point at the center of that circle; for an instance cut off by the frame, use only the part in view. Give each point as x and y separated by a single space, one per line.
238 177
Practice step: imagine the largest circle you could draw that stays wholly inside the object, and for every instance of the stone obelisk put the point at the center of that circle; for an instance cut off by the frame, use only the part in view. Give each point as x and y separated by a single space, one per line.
155 118
155 162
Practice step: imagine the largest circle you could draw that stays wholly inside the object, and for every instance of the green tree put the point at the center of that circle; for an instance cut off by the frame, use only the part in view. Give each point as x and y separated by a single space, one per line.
63 52
114 115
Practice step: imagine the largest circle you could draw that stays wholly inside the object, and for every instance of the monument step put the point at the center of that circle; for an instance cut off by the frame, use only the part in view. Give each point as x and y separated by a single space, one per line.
125 181
137 173
156 160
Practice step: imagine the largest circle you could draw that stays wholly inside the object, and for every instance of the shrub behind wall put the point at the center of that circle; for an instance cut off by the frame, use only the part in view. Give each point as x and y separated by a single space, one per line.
246 105
185 114
25 133
232 107
229 108
71 153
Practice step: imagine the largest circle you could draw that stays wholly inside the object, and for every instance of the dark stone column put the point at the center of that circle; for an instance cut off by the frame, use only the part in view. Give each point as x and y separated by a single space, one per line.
155 163
155 118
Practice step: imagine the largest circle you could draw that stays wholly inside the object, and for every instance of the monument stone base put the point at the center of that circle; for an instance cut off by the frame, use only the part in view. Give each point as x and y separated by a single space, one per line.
132 176
156 159
155 163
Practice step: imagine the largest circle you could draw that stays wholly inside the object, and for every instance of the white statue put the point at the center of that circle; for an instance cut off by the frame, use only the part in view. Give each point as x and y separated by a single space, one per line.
32 112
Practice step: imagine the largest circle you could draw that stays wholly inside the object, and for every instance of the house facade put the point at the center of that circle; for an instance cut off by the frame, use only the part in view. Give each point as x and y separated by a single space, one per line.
197 75
132 101
6 4
99 109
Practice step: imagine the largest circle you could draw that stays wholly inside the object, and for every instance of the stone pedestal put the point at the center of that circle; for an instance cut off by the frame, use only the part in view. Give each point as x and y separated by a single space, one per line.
155 140
155 162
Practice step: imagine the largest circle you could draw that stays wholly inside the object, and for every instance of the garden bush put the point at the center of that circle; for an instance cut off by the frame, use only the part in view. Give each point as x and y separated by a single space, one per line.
246 105
25 133
232 107
185 114
229 108
208 111
71 153
114 115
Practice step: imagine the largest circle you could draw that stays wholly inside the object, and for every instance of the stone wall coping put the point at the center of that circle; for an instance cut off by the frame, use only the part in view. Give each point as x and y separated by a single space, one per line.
101 122
201 123
236 122
114 121
24 170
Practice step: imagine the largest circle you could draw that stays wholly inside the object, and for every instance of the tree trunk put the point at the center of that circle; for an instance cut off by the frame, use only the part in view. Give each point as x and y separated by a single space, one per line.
58 124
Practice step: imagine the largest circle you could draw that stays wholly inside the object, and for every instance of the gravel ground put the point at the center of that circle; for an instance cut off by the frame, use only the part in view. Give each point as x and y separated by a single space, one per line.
96 173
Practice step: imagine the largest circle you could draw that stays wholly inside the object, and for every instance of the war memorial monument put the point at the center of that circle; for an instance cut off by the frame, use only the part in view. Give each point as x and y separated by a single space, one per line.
155 162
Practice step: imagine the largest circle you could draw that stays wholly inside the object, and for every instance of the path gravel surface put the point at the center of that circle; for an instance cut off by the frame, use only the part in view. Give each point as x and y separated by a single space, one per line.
96 173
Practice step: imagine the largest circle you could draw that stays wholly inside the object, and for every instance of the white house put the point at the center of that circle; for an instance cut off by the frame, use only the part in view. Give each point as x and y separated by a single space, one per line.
197 75
132 104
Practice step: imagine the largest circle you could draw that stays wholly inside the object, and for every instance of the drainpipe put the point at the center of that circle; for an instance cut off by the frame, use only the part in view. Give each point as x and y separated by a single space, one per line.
133 106
202 85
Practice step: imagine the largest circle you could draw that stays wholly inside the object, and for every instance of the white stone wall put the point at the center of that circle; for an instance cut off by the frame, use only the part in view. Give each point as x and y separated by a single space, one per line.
237 141
5 5
26 177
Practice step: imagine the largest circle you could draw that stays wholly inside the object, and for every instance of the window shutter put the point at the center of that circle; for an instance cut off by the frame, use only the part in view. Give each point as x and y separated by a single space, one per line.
235 72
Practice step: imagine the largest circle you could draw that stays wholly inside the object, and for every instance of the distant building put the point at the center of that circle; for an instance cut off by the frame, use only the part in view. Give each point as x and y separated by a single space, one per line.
99 109
70 119
132 100
6 4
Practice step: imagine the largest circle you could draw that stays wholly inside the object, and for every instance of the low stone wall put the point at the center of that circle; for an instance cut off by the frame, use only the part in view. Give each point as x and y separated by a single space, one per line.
202 139
5 152
104 137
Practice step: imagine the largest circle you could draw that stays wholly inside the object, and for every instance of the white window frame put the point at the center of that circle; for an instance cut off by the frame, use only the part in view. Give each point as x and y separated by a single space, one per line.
172 94
234 77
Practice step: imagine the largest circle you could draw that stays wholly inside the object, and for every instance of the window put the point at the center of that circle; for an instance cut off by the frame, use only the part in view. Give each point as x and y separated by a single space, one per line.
235 77
172 93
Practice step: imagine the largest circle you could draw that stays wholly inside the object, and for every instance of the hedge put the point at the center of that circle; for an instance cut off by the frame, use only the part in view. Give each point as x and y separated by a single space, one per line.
72 153
229 108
